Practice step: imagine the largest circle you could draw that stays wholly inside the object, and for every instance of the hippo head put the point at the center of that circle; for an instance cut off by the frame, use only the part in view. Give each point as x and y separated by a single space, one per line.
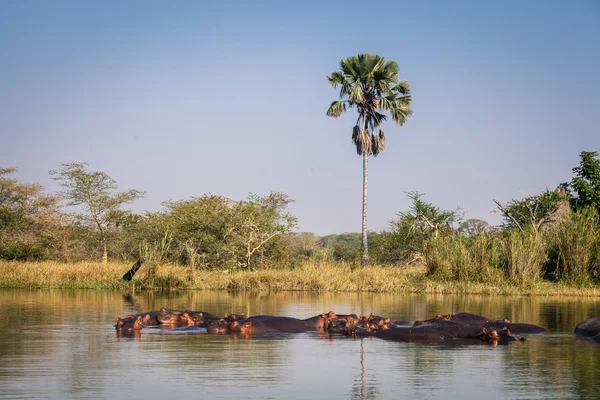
129 324
494 336
218 326
240 326
234 317
191 319
169 317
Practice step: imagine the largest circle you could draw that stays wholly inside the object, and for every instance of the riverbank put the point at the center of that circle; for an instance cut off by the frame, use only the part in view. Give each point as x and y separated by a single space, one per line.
314 277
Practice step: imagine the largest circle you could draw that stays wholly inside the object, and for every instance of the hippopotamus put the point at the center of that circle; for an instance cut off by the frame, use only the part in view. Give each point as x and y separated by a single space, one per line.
167 316
148 318
495 336
480 321
129 324
475 318
343 317
234 317
319 321
588 328
415 334
515 327
268 324
218 326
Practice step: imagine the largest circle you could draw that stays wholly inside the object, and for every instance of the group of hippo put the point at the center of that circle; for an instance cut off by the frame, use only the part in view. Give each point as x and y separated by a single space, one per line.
461 328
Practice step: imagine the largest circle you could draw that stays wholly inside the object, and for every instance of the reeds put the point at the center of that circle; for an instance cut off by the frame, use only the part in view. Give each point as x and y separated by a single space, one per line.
310 276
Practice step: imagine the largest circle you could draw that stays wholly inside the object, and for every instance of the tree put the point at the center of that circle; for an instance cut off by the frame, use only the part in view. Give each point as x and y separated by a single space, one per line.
27 218
586 182
533 211
429 218
411 229
369 83
474 226
97 192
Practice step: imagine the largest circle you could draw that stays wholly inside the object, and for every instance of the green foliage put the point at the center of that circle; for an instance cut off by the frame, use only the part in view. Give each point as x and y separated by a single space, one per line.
532 211
411 229
96 191
30 220
215 232
574 246
586 182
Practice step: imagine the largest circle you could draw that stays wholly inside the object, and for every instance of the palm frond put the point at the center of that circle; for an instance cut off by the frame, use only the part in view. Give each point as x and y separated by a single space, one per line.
337 108
400 114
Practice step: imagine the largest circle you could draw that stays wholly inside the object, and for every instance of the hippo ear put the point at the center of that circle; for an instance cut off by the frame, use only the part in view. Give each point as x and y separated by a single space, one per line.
118 319
438 316
387 320
226 315
146 319
484 330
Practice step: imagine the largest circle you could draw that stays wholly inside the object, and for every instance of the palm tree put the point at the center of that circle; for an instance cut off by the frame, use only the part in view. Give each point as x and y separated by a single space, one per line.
369 83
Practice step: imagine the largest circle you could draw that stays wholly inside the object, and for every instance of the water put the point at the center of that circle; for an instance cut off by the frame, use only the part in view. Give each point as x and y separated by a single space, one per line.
62 344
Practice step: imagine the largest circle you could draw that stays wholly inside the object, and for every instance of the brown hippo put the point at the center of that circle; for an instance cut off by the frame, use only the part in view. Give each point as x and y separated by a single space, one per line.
588 328
218 326
129 324
319 321
344 317
415 334
515 327
149 318
475 318
494 336
167 316
234 317
268 324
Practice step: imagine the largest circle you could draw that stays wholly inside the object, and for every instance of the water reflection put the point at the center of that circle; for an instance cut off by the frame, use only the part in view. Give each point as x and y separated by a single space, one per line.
57 344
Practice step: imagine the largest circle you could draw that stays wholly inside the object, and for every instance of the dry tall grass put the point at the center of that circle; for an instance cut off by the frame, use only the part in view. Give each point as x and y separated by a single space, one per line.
312 276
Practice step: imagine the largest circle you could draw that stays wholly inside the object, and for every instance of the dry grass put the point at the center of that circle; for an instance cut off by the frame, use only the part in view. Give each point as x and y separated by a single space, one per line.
313 276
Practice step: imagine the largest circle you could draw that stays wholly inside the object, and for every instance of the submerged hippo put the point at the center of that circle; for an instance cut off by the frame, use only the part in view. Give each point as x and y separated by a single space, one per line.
218 326
129 325
588 328
268 324
415 334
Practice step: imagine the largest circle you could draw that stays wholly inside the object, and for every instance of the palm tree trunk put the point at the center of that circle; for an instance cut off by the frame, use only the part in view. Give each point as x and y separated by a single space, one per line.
365 253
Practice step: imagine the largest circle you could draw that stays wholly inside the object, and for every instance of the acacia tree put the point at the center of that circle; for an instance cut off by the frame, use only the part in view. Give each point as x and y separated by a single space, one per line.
369 83
586 182
96 191
28 218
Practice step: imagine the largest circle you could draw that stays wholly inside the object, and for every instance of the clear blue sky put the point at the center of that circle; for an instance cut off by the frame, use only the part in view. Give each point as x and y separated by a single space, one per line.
184 98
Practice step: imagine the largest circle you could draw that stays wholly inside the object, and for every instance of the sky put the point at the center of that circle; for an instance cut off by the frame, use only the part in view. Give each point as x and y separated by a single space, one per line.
180 99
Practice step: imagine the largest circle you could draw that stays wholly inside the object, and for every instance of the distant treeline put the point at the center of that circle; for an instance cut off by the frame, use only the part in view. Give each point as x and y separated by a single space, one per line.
554 235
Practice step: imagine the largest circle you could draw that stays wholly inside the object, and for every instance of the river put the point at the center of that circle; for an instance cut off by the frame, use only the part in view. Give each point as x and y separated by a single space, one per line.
57 344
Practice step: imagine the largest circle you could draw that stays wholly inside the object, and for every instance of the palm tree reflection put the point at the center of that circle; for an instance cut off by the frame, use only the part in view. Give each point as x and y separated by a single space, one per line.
366 387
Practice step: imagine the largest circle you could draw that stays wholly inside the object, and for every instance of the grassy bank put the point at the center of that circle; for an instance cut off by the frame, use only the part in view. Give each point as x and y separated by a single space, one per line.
316 277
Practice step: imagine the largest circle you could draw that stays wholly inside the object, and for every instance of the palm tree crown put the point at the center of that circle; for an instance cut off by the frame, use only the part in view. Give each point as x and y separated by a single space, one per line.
370 83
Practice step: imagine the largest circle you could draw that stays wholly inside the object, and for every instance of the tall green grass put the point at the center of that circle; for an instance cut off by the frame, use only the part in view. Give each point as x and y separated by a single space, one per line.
567 251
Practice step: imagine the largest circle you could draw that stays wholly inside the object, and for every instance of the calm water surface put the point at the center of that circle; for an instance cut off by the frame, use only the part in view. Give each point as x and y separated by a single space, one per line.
62 344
